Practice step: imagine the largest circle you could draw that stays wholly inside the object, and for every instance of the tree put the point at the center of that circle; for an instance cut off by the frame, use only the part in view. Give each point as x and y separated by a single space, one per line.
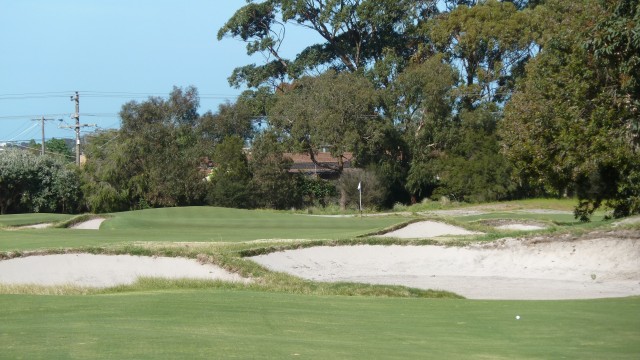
230 181
354 33
489 42
32 183
157 158
274 185
563 128
373 193
332 110
231 119
60 147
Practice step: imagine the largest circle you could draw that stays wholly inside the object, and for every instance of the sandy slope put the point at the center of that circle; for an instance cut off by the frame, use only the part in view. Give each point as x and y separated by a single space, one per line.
93 224
103 270
424 229
507 269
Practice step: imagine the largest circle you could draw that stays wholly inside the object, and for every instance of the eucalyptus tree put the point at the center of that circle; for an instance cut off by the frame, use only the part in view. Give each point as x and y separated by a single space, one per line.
334 110
489 42
570 125
353 34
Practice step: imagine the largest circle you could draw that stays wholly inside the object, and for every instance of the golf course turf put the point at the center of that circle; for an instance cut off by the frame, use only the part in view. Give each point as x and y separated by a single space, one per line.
236 321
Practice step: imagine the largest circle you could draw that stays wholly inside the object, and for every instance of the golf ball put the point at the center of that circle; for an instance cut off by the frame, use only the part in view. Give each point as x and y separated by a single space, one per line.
517 317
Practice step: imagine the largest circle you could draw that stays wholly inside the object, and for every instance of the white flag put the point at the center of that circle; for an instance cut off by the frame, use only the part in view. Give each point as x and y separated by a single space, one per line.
359 186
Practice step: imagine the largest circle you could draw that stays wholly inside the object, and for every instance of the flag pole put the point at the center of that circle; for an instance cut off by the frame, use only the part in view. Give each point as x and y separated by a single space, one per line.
360 192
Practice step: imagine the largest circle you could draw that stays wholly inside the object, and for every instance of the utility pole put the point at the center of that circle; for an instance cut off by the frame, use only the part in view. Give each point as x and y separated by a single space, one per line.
76 98
77 126
43 120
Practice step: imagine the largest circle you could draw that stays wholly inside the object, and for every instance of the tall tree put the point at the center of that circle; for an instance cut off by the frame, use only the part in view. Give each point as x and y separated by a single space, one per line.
563 128
489 42
334 110
157 157
353 33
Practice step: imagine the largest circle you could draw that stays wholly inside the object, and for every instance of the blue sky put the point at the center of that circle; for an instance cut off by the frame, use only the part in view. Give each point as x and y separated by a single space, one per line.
134 48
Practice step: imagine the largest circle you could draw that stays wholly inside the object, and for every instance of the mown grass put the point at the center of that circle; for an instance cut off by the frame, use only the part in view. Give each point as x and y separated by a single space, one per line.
31 219
196 224
227 323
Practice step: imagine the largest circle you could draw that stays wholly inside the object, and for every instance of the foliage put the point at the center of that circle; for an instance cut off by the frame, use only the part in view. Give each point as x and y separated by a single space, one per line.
230 180
373 194
33 183
331 109
231 119
472 169
275 187
60 147
563 128
153 160
489 42
353 33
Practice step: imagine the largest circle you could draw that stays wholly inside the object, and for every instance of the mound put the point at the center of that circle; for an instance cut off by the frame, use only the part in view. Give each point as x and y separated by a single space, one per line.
508 269
103 270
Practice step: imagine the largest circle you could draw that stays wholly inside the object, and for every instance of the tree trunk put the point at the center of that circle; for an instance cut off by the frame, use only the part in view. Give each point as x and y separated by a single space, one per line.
343 199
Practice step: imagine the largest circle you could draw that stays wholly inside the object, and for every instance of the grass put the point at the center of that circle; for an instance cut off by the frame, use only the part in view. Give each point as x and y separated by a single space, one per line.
31 219
196 224
281 316
263 325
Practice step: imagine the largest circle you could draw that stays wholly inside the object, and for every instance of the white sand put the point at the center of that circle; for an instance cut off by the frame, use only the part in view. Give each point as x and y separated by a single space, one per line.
93 224
427 229
511 269
36 226
104 270
523 227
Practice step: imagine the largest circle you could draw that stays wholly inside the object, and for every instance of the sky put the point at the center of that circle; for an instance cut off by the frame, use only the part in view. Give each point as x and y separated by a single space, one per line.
111 52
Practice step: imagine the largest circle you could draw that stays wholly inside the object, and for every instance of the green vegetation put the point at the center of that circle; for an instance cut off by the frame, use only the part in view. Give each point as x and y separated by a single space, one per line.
196 224
249 324
31 219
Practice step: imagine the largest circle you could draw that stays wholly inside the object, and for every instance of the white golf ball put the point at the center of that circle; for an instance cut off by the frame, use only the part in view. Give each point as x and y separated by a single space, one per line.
517 317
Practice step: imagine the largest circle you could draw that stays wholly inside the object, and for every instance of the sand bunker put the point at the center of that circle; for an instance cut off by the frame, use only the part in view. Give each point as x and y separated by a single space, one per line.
427 229
104 270
507 269
93 224
521 227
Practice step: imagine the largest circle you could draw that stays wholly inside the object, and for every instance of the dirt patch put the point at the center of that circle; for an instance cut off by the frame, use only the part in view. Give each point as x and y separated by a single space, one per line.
597 265
89 270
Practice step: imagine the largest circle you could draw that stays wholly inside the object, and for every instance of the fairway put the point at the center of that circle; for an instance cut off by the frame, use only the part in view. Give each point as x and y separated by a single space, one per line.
196 224
245 324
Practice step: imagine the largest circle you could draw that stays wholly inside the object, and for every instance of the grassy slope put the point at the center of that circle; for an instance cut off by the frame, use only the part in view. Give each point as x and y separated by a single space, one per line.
31 219
248 324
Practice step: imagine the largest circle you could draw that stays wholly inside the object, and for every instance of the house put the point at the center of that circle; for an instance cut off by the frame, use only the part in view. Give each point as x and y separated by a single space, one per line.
302 163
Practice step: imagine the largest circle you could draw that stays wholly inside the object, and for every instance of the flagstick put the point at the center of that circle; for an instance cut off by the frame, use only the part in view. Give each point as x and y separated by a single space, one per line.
360 191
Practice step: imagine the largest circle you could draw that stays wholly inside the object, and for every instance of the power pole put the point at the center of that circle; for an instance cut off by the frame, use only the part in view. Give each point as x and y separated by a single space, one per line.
76 98
77 126
43 120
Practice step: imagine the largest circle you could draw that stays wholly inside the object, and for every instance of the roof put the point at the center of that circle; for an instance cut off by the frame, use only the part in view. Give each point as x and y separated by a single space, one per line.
302 162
